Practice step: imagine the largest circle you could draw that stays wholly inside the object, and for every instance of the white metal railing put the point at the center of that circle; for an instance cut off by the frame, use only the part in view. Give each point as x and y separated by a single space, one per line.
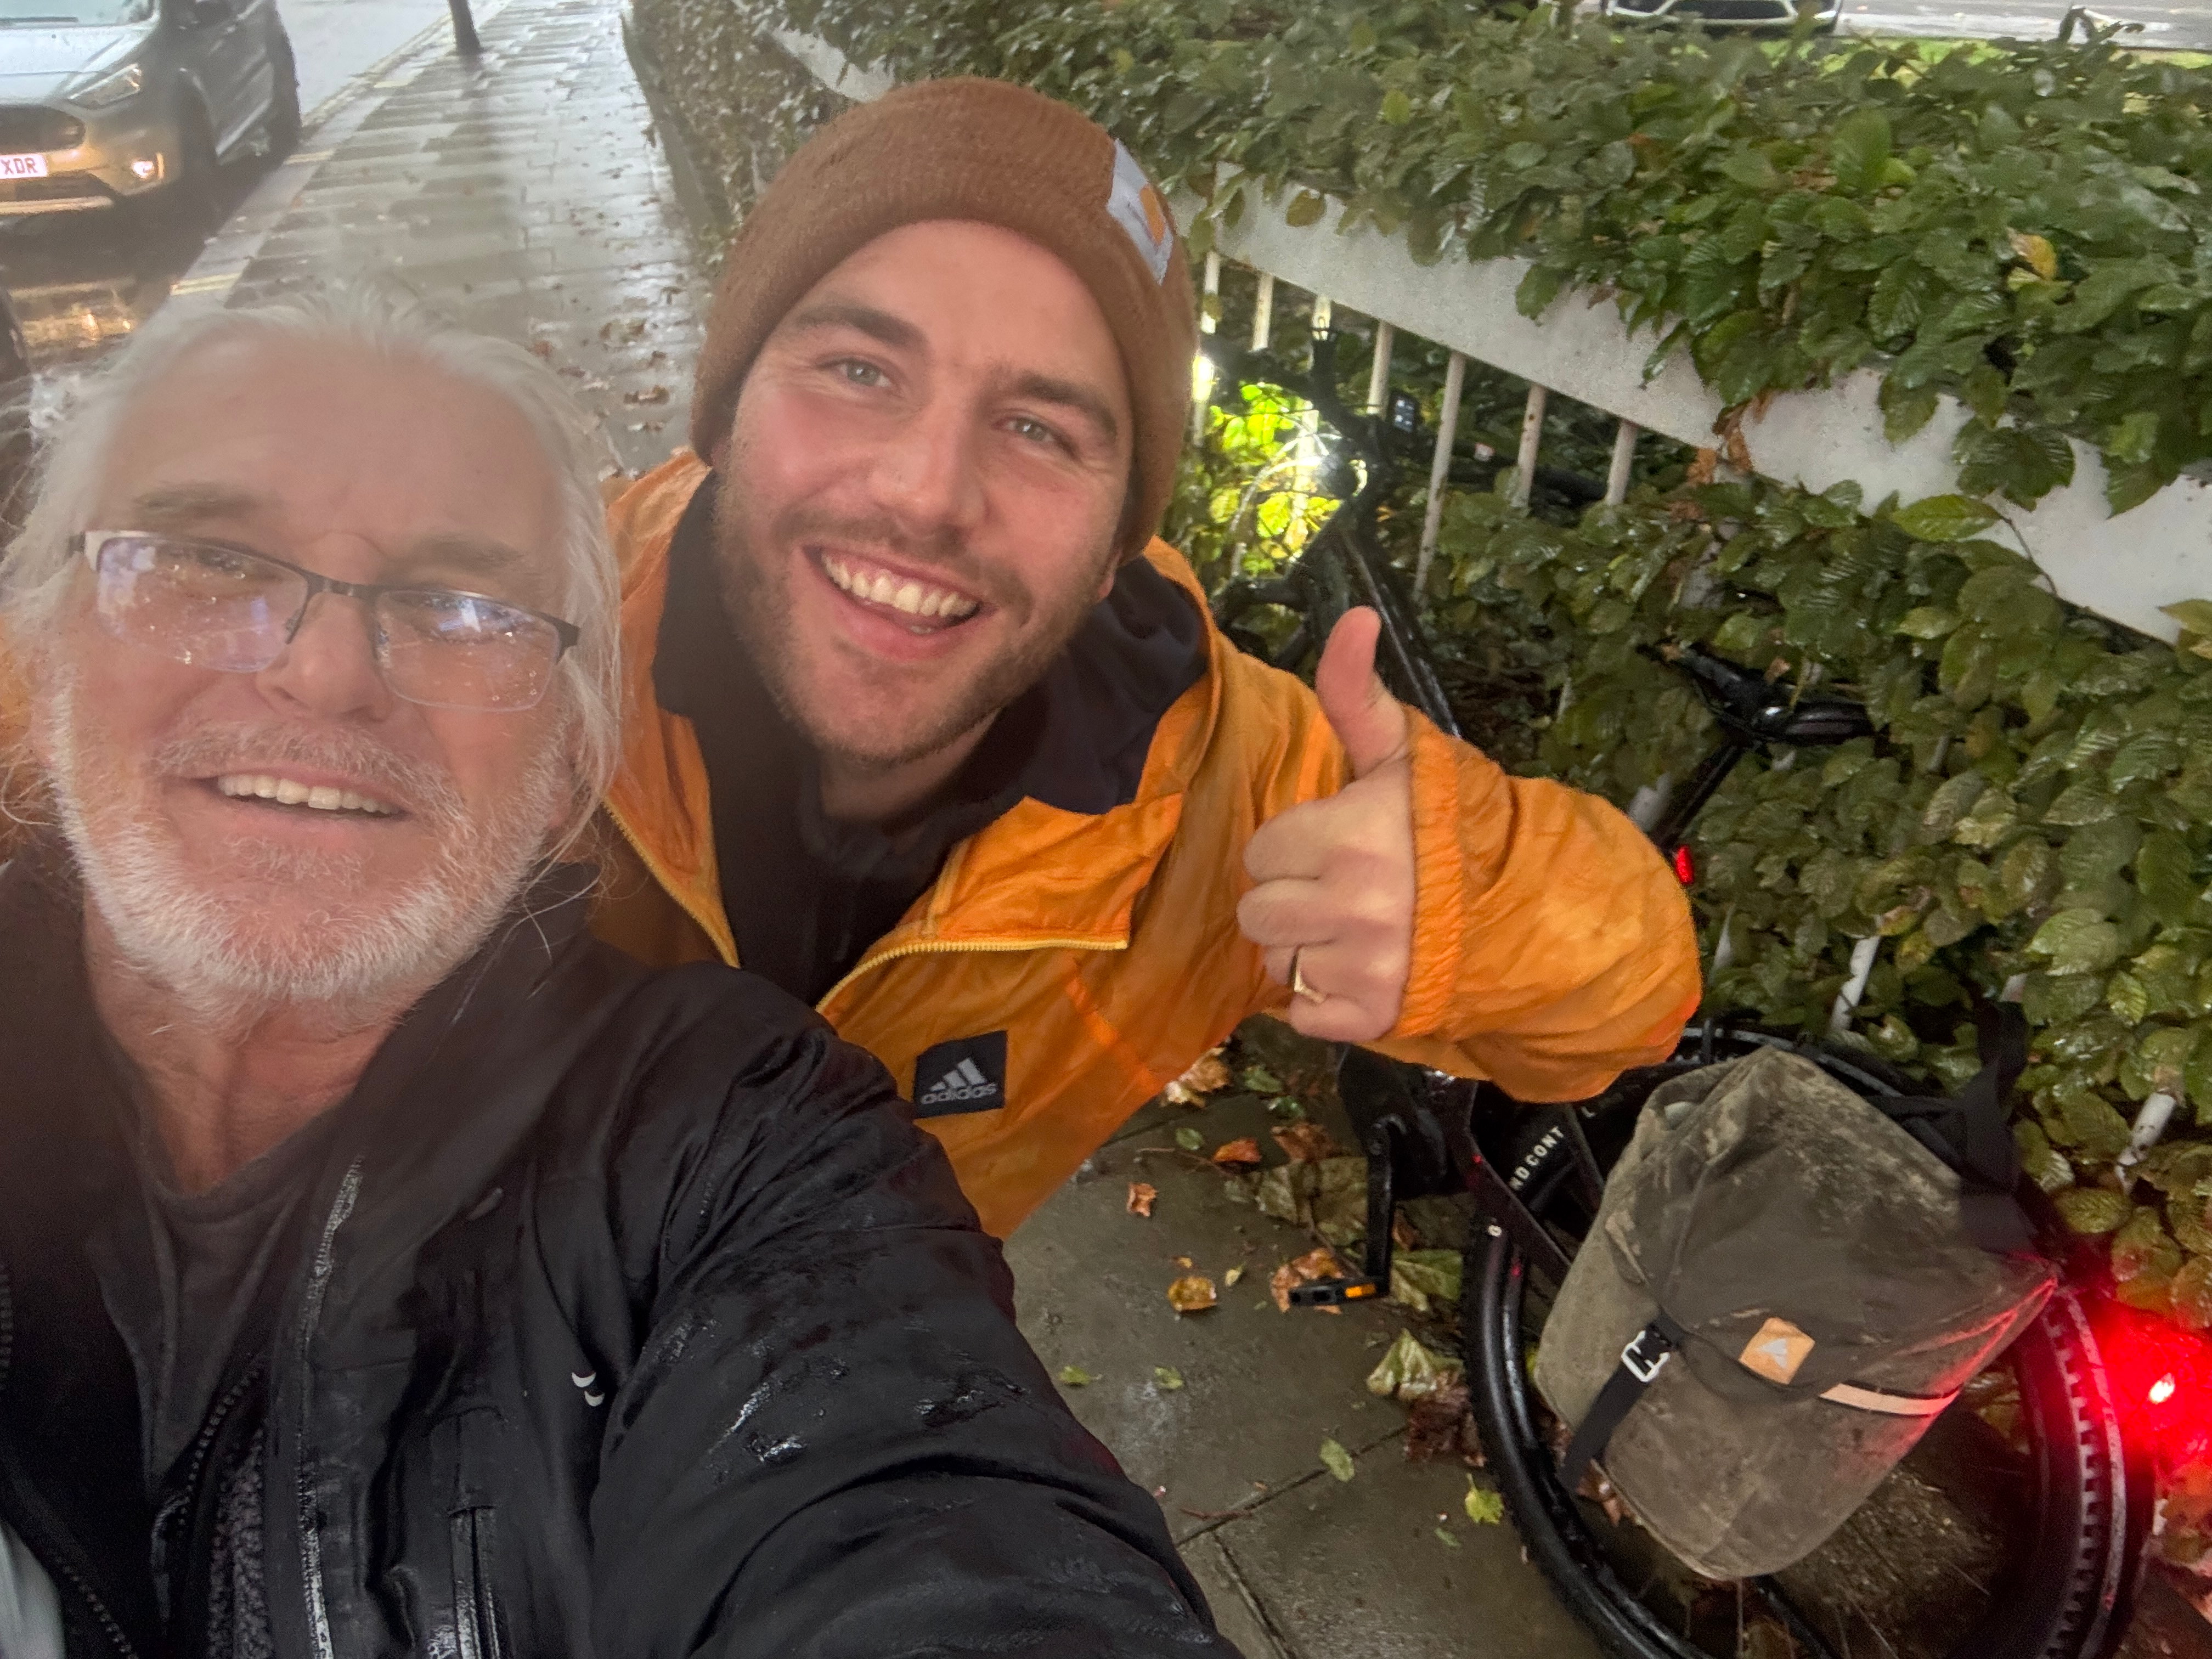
2125 568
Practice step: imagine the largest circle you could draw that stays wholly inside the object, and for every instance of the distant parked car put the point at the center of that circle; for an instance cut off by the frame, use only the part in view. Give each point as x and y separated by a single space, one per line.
104 102
1723 14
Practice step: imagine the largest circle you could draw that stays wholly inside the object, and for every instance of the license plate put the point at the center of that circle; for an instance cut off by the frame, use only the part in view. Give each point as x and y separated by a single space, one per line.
23 166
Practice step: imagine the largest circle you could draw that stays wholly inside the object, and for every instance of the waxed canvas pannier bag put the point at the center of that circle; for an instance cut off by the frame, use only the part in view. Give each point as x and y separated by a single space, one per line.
1782 1288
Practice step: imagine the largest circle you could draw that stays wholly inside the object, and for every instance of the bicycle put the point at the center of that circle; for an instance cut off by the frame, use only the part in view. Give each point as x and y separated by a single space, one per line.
2016 1543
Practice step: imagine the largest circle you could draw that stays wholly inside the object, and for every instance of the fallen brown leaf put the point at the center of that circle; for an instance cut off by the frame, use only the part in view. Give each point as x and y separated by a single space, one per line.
1704 468
1237 1154
657 394
1306 1143
541 347
1441 1424
1192 1293
1141 1196
1403 1233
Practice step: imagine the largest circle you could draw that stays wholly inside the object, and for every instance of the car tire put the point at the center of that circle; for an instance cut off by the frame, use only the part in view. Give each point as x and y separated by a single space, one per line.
281 126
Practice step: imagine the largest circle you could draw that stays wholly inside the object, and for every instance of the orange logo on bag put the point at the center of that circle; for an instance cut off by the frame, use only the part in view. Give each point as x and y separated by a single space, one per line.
1776 1351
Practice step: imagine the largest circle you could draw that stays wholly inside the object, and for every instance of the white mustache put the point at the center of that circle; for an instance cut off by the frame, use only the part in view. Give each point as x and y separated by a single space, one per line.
425 791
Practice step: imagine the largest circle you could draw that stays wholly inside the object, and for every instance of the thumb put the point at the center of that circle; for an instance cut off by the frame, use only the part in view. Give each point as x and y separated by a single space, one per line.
1367 720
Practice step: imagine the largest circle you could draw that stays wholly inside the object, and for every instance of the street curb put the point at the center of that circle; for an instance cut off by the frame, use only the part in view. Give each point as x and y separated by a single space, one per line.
700 198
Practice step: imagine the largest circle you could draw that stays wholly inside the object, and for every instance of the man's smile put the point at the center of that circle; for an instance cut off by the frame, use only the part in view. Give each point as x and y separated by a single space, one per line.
293 791
924 607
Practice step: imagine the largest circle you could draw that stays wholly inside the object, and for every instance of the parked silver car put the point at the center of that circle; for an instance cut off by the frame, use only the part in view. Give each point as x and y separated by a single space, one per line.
108 101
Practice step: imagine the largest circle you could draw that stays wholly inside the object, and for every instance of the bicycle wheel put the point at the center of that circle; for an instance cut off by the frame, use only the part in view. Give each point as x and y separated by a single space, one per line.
2013 1531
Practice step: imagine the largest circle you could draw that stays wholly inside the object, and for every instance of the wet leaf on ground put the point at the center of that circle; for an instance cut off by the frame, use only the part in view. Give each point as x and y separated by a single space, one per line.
1259 1080
1167 1377
1142 1195
1336 1459
1484 1507
1237 1154
1442 1425
1411 1370
1340 1204
1075 1376
1444 1536
1192 1293
1229 1280
1188 1139
1306 1143
1427 1281
1208 1073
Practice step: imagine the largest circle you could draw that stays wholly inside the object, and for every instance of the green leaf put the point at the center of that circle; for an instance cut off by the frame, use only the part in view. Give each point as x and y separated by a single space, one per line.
1927 622
1076 1378
1336 1459
2077 942
2092 1210
1945 519
1189 1138
1444 1536
1168 1377
1306 208
1538 289
1858 150
1397 108
2194 615
1482 1506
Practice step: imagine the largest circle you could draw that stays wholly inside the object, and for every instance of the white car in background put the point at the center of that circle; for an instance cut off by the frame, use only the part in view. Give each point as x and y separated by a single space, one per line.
1722 14
104 102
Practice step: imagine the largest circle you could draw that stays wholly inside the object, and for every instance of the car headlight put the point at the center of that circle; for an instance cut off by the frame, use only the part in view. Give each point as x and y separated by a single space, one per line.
111 88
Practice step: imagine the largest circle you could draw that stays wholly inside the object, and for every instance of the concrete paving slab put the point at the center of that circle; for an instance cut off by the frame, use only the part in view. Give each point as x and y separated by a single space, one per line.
1260 1390
1356 1570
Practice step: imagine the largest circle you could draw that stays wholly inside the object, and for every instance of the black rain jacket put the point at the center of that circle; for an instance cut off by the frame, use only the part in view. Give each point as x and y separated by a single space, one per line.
634 1318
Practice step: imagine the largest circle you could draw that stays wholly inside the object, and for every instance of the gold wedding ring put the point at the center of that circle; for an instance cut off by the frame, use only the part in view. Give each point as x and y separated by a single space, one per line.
1299 986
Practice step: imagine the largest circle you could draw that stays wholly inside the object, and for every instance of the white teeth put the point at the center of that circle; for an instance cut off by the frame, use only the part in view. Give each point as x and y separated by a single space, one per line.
908 595
288 792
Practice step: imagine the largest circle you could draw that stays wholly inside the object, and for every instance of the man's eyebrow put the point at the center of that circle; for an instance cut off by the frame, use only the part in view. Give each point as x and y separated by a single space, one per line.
1068 394
178 507
880 326
466 554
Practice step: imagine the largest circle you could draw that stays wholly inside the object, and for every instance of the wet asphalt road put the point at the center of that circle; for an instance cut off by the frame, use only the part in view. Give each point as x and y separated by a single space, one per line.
2165 25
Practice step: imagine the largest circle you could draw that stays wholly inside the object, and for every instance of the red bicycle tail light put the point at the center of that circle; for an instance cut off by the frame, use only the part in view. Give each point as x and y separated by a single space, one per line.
2162 1380
1685 868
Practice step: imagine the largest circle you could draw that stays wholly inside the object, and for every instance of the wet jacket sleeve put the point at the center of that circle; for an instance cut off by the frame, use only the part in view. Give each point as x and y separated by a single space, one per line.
1552 948
833 1441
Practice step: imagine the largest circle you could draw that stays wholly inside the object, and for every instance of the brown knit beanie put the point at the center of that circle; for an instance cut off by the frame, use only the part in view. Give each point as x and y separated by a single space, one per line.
994 153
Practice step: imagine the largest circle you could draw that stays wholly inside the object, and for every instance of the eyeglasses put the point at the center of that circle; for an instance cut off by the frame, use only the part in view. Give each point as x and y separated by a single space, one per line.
223 608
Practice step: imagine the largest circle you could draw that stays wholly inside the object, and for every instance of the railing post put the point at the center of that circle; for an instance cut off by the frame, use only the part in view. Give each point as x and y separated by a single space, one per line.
1624 462
1532 431
1378 377
1324 313
1201 372
1263 311
1440 469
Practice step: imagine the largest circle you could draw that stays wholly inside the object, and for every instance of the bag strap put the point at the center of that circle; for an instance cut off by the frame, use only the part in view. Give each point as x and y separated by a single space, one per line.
1641 1362
1970 1131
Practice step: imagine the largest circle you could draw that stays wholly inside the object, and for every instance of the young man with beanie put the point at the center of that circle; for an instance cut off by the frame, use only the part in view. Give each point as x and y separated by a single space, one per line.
927 726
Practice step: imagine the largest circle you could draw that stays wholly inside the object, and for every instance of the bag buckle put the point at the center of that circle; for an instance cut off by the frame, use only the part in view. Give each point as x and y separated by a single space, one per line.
1642 1366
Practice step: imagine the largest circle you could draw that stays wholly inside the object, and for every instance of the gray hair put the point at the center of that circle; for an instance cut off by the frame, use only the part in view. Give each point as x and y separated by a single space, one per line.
35 572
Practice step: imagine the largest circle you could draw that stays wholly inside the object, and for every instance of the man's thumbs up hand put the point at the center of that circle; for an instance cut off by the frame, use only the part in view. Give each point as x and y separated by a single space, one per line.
1332 906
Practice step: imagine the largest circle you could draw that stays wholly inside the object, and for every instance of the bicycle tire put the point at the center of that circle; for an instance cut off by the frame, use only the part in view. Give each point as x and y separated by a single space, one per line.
2066 1594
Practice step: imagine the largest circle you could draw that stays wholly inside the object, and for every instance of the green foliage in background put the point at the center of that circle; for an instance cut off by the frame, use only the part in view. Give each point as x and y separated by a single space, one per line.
2019 225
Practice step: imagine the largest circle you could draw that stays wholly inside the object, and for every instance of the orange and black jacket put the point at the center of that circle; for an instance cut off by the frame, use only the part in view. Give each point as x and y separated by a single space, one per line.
1551 947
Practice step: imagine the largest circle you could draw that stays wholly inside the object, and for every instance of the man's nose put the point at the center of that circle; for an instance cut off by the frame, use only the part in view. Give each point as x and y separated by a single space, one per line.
929 475
329 668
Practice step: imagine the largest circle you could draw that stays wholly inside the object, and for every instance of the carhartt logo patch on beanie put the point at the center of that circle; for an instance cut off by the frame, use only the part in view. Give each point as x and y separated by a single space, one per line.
996 154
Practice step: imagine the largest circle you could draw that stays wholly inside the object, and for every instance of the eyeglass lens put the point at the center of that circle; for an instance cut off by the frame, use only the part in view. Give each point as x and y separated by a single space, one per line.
218 608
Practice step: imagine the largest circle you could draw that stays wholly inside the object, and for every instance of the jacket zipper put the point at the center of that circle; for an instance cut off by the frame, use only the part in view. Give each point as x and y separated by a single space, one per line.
183 1496
716 928
476 1610
950 947
110 1626
311 1543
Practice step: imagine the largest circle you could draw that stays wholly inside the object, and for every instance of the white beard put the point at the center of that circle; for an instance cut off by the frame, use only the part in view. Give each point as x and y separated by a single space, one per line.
220 953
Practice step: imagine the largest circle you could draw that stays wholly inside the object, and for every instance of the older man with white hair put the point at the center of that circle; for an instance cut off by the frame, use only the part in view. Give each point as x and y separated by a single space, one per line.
385 1266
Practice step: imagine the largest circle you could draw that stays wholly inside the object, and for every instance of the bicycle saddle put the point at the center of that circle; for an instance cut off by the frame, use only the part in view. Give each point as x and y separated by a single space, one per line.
1756 711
